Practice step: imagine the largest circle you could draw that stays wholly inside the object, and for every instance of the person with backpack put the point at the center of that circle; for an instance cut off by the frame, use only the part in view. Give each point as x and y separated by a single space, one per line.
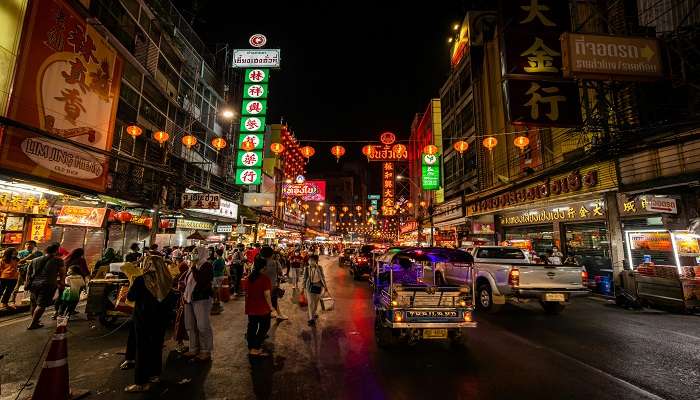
44 275
314 287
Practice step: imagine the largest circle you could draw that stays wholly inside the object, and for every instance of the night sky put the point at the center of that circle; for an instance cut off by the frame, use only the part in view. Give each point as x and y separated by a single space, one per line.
350 70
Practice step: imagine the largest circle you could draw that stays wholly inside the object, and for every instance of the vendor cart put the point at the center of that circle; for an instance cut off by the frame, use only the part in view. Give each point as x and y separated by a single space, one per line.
665 268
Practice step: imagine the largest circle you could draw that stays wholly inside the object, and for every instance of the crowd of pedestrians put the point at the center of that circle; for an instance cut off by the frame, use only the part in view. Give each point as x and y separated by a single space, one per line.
164 300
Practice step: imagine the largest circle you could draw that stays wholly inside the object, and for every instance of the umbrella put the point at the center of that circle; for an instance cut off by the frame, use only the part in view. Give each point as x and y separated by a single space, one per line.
195 236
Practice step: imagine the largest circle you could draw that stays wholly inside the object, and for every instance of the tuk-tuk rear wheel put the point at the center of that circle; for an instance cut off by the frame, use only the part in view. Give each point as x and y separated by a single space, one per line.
382 334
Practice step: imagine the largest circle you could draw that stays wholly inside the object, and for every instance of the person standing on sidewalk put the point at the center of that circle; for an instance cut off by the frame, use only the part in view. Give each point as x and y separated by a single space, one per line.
237 263
75 283
198 301
273 270
258 308
151 294
44 275
314 286
219 266
9 274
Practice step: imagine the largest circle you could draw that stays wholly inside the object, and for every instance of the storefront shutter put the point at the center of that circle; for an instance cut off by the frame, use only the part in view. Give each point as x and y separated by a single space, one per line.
73 238
94 247
115 238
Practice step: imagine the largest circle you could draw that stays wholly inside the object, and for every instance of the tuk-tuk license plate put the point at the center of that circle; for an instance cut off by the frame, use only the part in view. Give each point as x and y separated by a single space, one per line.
554 297
434 333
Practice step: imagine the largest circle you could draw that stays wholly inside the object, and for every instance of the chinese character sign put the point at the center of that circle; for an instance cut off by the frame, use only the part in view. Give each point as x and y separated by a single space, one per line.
248 176
249 159
552 103
430 171
257 75
388 189
254 91
254 107
67 84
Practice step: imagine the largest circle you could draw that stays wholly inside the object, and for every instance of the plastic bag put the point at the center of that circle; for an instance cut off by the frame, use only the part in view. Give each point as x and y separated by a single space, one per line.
327 303
302 300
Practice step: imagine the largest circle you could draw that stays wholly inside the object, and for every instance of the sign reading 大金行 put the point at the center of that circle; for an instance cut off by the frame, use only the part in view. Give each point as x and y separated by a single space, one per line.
605 57
201 200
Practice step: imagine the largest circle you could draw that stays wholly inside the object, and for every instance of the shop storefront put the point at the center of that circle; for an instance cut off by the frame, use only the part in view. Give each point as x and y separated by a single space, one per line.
25 213
184 227
566 212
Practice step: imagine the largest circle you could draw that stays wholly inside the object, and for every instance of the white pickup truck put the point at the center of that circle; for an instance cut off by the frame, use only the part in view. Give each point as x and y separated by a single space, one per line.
506 274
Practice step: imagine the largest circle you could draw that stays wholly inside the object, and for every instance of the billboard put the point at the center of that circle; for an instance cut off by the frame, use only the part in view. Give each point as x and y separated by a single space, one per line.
67 84
603 57
81 216
312 190
211 201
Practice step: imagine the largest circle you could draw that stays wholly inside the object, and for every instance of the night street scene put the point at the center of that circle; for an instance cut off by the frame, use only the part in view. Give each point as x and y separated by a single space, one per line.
371 200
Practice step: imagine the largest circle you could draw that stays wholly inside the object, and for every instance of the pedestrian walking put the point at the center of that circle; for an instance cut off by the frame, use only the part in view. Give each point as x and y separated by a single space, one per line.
44 275
314 287
237 263
151 294
75 283
179 330
258 307
30 252
219 267
198 302
273 270
295 268
9 274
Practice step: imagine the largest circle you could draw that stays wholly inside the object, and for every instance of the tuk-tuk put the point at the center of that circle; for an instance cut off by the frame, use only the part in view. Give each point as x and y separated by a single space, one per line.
411 304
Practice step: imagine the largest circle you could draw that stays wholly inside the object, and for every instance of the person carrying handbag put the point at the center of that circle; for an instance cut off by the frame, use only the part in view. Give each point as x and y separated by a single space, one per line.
314 286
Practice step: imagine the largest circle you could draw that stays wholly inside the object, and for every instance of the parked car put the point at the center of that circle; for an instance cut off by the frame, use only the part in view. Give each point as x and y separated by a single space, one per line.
506 274
346 256
361 262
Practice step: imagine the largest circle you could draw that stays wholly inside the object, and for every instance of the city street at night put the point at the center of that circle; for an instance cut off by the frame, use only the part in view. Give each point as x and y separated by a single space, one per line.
594 350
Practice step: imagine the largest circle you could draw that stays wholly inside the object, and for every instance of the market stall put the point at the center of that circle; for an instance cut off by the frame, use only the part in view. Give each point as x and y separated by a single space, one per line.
665 267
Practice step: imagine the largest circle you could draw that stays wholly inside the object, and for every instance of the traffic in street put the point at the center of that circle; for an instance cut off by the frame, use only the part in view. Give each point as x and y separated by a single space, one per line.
593 350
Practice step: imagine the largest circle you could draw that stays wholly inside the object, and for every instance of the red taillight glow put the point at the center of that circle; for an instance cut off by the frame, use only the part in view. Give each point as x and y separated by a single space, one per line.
514 277
584 278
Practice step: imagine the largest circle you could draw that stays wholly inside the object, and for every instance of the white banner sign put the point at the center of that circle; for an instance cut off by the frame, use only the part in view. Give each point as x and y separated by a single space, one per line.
209 201
660 204
260 58
224 228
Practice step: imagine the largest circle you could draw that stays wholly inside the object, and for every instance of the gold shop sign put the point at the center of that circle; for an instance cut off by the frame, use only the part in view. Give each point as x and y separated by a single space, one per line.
597 177
191 224
576 211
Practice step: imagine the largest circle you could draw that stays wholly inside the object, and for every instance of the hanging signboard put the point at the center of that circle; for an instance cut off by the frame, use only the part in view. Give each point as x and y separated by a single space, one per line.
248 176
258 199
253 124
67 83
254 107
386 153
210 201
228 209
604 57
311 190
249 159
224 228
261 58
194 225
81 216
430 171
257 75
255 90
544 103
388 189
38 230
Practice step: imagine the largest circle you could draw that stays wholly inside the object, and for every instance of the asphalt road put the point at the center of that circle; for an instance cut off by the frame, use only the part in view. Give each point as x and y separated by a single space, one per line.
594 350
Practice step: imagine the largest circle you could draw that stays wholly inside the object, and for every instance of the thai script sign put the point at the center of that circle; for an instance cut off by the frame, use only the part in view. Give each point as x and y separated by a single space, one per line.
602 57
594 178
386 153
81 216
262 58
210 201
312 190
67 84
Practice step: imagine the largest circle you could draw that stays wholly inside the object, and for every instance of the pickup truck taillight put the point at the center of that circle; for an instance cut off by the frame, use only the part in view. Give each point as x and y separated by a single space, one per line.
514 277
584 277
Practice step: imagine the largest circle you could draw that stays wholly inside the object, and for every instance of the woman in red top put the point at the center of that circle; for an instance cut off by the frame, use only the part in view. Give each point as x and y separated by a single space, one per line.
258 307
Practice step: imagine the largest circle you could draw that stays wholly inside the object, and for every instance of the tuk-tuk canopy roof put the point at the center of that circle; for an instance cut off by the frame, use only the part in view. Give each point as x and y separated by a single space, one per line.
430 254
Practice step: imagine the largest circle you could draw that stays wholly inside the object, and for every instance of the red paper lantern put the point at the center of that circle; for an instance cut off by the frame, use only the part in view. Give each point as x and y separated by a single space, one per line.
164 224
490 142
308 151
134 131
338 151
367 150
124 217
521 142
277 148
461 146
218 143
161 137
189 141
430 149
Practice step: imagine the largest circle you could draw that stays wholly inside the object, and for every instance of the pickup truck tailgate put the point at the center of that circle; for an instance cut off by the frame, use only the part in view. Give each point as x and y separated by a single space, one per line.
550 277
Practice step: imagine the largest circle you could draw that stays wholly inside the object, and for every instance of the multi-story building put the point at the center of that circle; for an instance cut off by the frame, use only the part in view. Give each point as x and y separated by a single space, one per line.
582 162
122 83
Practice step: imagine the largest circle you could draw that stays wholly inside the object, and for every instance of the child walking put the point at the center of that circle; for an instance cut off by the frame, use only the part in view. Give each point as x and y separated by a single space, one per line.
71 294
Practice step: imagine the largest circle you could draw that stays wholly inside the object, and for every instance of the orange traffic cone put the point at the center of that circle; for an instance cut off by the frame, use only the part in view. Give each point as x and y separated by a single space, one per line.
53 379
